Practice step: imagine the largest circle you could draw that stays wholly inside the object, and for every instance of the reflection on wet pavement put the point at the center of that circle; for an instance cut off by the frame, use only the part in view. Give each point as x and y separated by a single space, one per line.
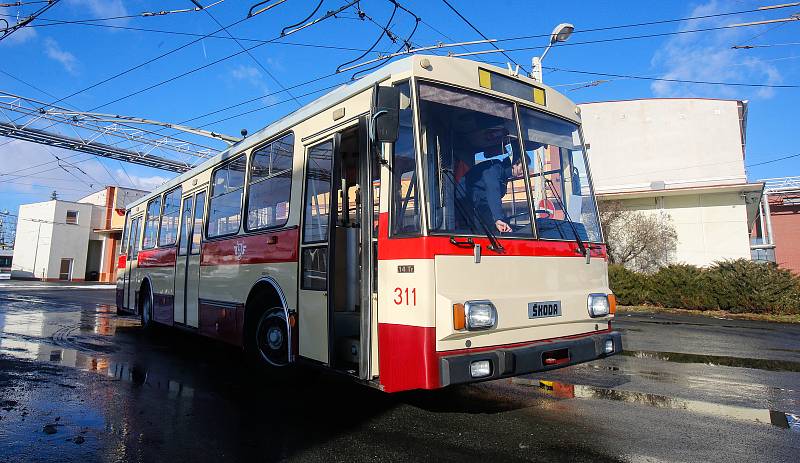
575 391
759 364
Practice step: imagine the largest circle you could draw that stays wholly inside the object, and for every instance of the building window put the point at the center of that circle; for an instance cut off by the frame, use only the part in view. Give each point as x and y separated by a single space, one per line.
225 209
270 185
72 218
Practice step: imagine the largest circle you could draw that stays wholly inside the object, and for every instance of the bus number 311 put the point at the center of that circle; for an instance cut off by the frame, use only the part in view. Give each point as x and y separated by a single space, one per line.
405 296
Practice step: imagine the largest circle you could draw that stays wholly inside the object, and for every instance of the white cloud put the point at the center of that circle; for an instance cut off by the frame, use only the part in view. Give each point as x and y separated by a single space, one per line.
101 8
707 56
78 178
248 74
53 50
19 36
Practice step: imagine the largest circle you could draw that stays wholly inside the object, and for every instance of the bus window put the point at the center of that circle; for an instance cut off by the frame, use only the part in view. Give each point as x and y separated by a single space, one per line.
186 226
135 234
318 193
270 185
197 234
151 223
224 215
168 232
405 206
559 178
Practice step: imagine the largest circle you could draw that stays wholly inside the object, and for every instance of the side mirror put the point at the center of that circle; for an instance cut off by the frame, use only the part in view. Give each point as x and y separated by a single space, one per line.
385 120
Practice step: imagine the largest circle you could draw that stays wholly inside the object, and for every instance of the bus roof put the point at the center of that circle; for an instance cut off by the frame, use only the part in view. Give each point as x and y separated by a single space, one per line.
322 103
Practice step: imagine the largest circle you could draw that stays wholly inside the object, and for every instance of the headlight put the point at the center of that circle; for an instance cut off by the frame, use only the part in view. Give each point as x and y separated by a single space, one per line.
598 305
480 315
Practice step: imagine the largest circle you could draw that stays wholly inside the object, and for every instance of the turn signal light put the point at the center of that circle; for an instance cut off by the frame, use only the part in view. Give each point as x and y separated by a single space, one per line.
459 320
612 304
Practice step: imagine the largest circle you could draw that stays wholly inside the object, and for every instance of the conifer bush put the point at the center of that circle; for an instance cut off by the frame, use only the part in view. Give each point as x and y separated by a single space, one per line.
739 285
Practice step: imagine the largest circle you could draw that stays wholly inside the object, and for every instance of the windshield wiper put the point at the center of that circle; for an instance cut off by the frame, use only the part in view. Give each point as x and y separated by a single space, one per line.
494 244
581 246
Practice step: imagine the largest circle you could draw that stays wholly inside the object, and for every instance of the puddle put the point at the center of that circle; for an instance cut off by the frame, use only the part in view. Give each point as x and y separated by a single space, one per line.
717 360
575 391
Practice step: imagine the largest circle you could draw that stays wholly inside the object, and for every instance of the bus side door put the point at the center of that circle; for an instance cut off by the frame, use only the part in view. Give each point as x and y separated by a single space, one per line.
187 264
131 264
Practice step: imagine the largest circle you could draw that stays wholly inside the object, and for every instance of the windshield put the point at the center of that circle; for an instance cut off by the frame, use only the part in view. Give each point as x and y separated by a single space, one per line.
475 169
559 178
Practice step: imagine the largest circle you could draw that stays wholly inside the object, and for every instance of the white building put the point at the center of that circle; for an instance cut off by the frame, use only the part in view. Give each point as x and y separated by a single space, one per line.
72 241
681 156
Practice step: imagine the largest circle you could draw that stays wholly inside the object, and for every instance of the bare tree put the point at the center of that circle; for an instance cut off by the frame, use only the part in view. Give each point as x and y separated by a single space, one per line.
642 241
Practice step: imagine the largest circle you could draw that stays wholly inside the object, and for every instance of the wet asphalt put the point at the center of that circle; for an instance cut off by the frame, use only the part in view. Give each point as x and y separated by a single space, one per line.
80 384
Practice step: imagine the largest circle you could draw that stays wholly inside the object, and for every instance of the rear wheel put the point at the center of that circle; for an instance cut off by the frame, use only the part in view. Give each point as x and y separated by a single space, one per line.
147 308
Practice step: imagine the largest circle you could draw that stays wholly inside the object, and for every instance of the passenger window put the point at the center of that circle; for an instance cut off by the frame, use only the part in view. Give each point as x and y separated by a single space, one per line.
318 193
197 234
224 215
270 185
187 222
168 233
151 223
405 190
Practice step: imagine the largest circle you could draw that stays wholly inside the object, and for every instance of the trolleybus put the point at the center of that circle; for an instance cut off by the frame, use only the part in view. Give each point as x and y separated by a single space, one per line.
430 224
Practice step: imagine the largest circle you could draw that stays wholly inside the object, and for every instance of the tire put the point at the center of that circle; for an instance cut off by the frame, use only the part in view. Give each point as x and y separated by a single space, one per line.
270 338
147 309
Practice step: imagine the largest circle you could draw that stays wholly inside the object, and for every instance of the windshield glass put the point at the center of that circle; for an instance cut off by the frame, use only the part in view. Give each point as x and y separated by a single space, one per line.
559 178
473 167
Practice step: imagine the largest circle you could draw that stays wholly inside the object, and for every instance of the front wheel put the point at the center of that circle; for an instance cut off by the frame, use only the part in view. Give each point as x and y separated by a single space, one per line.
271 337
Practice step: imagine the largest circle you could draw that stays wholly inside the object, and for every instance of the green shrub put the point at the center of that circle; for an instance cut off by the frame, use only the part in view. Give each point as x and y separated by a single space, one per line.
738 285
630 287
679 286
746 286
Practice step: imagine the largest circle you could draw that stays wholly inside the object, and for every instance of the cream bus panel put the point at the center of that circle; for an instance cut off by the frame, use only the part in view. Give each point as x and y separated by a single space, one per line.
511 282
406 298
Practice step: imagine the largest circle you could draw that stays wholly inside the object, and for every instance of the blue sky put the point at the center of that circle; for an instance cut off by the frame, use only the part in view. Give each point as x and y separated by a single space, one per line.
59 59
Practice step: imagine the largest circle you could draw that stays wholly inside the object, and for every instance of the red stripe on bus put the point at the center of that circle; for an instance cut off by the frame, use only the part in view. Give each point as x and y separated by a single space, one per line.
407 357
160 257
278 246
122 260
427 247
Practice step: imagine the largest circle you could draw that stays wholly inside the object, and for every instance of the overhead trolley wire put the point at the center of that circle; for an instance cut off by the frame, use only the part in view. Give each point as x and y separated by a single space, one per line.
481 34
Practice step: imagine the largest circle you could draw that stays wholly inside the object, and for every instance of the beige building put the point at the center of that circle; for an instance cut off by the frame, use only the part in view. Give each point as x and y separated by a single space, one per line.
72 241
684 157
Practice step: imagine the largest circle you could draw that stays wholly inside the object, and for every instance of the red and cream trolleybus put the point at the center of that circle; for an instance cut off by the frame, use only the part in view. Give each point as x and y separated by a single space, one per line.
432 223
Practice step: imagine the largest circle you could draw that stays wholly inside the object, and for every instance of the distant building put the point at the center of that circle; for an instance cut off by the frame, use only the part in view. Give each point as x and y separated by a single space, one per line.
72 241
684 157
775 236
6 255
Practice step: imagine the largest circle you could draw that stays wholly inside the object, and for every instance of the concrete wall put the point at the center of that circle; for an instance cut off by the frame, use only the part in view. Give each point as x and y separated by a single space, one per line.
44 238
680 142
710 226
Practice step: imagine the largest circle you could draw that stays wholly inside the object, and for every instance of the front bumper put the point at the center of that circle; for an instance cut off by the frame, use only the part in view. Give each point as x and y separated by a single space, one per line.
455 369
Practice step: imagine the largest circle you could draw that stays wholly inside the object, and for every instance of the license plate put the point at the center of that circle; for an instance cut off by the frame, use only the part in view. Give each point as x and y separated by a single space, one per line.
544 309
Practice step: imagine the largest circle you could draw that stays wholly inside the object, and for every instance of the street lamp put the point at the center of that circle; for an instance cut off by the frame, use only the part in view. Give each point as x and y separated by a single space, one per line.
560 34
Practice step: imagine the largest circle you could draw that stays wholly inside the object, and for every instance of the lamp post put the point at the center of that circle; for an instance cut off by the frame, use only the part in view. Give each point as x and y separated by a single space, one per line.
560 34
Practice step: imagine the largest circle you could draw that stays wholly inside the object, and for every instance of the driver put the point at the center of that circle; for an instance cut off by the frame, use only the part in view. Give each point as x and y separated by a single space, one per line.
486 184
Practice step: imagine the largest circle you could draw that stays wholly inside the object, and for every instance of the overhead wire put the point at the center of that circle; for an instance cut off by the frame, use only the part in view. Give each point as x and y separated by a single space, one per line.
481 33
263 68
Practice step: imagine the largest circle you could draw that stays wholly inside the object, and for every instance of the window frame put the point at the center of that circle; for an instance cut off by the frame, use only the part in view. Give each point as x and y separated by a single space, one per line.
66 217
246 193
517 105
419 171
146 217
210 189
161 216
306 167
